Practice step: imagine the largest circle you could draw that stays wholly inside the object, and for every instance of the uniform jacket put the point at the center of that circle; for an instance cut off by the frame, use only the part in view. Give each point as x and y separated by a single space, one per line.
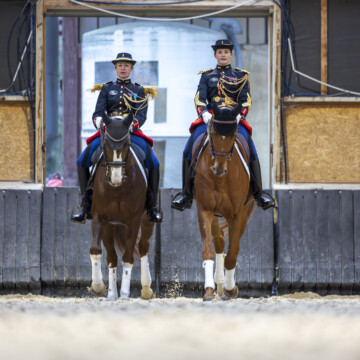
113 97
217 84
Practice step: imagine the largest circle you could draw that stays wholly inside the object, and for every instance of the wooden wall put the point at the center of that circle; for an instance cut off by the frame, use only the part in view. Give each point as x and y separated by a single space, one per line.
17 140
322 140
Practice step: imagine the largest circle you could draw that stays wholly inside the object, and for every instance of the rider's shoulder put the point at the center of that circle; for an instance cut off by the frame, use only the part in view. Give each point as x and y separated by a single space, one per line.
138 87
101 86
205 71
108 84
242 70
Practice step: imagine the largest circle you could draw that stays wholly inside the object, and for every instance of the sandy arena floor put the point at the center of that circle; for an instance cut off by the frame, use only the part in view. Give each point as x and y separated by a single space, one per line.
302 326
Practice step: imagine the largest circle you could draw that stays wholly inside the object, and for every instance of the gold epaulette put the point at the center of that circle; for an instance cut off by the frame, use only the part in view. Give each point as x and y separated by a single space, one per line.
151 91
244 71
99 87
202 71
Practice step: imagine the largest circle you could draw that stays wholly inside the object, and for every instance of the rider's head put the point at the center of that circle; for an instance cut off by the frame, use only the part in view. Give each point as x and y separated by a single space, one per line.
124 65
223 52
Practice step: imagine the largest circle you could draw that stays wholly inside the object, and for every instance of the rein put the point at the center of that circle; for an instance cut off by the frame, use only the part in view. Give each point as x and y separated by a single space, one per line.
211 146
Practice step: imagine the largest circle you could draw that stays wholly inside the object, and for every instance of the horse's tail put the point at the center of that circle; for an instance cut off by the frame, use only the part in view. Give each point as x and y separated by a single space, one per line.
118 248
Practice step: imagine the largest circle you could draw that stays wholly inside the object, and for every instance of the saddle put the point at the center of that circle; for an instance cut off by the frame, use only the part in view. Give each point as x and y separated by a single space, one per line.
243 147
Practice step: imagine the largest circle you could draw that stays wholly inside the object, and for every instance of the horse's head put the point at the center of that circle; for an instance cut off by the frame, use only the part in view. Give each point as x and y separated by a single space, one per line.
222 135
116 146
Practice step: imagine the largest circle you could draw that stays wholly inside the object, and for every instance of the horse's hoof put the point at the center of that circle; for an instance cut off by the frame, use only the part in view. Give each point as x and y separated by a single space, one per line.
98 289
220 289
209 294
230 294
146 293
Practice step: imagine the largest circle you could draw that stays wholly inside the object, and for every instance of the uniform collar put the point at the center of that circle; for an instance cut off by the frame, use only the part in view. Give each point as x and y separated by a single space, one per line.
127 81
225 67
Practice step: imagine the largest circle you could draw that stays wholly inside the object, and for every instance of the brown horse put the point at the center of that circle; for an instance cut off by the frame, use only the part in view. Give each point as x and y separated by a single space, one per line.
118 211
222 187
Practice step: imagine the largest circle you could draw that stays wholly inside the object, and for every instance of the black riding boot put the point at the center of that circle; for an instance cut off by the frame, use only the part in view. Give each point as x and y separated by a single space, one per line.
186 198
83 212
153 208
264 200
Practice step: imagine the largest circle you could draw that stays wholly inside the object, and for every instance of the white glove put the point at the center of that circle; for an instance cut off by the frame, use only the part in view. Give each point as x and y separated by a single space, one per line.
240 117
97 122
206 116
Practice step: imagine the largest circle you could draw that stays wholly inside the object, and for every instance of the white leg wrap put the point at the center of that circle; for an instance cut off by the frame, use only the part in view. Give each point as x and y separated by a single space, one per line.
229 279
145 271
125 282
112 292
96 274
208 266
219 268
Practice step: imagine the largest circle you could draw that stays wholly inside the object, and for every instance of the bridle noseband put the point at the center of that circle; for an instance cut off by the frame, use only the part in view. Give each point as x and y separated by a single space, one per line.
211 146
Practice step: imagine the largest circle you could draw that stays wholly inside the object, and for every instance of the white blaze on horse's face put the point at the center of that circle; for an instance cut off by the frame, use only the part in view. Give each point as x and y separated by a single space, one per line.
116 173
220 161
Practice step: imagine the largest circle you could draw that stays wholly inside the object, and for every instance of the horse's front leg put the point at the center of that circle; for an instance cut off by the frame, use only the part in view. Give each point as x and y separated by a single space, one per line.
128 256
236 230
147 229
109 238
219 243
97 284
205 219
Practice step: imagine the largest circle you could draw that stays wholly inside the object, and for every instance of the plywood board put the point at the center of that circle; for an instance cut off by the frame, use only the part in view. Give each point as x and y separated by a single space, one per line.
323 142
17 142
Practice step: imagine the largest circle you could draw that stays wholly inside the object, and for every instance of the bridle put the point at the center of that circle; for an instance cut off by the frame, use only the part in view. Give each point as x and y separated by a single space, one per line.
105 136
214 153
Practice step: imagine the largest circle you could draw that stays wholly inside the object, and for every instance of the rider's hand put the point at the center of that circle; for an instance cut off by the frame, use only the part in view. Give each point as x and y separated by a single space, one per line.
134 126
97 122
206 116
239 117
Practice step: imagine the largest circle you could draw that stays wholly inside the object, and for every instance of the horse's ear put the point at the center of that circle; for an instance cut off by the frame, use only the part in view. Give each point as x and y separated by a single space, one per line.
129 119
106 118
217 111
237 110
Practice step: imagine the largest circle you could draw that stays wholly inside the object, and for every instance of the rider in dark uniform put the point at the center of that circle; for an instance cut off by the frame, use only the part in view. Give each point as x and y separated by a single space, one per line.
118 98
222 85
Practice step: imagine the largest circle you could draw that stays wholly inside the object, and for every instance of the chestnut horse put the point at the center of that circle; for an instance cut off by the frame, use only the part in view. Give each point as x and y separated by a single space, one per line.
118 211
222 187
